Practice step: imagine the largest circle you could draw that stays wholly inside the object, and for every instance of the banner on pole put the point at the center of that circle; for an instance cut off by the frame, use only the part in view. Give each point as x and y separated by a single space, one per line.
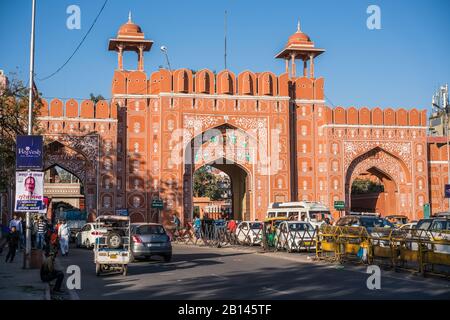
29 152
29 191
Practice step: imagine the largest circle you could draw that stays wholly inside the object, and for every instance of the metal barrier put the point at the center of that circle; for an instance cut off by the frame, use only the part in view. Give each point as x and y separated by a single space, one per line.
295 240
411 249
342 243
419 250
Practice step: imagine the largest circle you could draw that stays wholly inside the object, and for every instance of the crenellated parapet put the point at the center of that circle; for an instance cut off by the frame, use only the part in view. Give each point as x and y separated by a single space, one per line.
377 117
225 82
75 117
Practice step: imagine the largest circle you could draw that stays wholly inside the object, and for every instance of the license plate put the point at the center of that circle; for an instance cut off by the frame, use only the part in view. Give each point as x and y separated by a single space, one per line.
113 256
154 244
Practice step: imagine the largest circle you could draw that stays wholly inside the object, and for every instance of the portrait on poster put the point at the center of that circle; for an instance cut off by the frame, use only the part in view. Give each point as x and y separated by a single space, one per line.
29 191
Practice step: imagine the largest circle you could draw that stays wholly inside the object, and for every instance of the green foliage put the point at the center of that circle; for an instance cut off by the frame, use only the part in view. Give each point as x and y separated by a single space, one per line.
362 186
206 184
96 98
13 122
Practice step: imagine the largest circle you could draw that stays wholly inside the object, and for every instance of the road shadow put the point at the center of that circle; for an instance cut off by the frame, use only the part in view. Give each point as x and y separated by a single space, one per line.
286 281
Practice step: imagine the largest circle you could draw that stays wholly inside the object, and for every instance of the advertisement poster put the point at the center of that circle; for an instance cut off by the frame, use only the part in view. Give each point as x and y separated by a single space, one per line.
29 191
29 153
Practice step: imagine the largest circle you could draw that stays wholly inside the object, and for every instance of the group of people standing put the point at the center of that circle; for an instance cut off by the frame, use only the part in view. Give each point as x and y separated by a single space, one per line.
44 236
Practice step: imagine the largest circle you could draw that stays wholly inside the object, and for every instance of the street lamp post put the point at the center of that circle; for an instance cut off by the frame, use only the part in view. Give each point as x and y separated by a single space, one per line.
30 129
164 50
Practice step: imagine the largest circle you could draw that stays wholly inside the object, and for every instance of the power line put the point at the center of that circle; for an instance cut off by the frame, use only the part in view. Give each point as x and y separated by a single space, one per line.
78 47
331 102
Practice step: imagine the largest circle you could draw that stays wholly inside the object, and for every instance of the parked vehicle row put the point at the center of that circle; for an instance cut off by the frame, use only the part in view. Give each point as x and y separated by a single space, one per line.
146 239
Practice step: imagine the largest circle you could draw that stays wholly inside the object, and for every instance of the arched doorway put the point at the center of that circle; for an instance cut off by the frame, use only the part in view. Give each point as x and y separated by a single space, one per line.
77 156
378 181
374 191
230 182
231 151
66 193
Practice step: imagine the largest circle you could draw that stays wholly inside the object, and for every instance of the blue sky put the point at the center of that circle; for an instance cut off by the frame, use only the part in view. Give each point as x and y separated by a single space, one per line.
399 66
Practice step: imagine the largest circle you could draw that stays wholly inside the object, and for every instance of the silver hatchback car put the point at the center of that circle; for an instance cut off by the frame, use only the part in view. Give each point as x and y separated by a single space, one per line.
150 239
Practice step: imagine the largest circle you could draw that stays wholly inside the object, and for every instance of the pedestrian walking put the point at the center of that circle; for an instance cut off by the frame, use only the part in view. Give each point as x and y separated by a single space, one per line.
41 230
13 239
49 273
63 234
15 222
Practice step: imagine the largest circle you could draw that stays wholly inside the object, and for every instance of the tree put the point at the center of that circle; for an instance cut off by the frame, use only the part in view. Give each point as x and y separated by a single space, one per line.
361 186
96 98
207 184
13 122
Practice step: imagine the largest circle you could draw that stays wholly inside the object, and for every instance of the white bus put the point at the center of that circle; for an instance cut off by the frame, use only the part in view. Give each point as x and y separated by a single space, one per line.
309 211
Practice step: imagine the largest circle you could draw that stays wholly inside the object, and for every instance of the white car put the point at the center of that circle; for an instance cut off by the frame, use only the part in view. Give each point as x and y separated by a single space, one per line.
295 235
88 234
407 226
249 232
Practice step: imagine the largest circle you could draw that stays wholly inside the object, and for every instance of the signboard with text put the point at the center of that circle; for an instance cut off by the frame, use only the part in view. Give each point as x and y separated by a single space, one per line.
339 205
29 152
157 204
122 212
29 191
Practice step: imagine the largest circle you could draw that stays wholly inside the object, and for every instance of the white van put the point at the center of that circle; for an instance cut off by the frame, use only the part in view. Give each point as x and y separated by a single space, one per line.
309 211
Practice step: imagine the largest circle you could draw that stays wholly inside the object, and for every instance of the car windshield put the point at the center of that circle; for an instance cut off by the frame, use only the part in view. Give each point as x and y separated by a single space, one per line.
440 225
150 229
300 227
423 225
255 225
371 222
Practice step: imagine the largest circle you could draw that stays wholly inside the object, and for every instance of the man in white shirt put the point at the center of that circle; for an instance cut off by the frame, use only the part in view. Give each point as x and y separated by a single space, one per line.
63 234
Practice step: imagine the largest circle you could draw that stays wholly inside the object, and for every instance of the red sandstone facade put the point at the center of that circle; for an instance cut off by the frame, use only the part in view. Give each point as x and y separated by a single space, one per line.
124 149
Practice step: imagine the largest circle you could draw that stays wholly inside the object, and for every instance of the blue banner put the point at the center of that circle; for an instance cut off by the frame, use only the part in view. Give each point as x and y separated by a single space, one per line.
122 212
29 152
447 190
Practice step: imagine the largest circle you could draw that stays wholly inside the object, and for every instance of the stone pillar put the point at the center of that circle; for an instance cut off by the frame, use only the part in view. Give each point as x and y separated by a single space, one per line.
305 68
141 59
293 65
120 57
311 66
287 65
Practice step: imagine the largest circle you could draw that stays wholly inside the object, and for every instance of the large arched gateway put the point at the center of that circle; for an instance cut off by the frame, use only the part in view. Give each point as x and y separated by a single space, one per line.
146 143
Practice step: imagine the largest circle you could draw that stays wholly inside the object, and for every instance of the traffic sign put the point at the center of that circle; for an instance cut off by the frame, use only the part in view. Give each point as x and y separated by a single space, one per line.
157 204
339 205
426 210
122 212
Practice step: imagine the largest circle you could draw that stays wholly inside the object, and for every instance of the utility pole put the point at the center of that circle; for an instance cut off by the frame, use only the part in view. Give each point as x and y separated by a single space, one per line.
440 102
225 48
30 129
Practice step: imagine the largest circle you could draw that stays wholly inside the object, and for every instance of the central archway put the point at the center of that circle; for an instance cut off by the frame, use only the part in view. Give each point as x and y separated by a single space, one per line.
384 168
374 191
231 151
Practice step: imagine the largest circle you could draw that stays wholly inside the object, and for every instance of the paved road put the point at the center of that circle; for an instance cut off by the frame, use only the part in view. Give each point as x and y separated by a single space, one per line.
208 273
